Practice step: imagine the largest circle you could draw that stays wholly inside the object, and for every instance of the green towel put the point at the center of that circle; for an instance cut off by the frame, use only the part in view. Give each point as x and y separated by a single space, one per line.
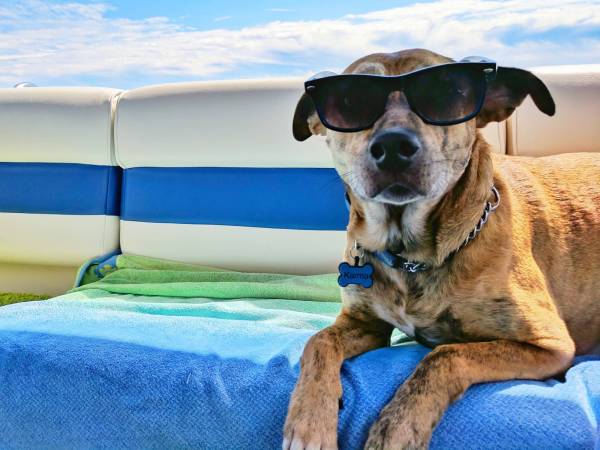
154 277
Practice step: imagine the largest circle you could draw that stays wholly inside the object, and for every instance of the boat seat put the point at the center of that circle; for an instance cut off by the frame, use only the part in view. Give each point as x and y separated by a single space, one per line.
59 185
574 127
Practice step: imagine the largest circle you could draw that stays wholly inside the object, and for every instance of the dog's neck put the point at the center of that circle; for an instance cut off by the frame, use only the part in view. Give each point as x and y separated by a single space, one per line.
427 231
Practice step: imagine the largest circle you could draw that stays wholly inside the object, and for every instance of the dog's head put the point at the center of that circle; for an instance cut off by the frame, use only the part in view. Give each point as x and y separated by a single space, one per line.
401 159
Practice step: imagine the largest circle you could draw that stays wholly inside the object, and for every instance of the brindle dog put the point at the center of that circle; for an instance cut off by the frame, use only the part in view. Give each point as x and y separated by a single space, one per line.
518 302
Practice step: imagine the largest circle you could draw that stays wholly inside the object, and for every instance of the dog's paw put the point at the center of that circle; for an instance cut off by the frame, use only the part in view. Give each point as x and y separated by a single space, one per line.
380 436
310 431
394 433
298 443
311 423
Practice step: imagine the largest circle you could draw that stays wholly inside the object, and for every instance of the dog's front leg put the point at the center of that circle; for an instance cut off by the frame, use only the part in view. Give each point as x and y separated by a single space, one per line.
313 411
445 374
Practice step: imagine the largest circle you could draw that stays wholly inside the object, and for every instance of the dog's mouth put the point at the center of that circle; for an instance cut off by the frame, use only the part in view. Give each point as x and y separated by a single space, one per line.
396 193
396 189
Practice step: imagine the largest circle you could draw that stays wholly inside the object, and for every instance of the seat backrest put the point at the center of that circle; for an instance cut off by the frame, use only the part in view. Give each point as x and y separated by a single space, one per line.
59 184
212 175
576 125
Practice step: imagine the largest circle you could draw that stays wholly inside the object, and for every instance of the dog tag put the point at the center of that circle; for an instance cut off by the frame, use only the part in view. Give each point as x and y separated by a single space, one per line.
356 274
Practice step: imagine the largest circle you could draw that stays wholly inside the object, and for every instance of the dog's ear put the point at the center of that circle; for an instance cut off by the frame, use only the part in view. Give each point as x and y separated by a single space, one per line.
306 121
508 90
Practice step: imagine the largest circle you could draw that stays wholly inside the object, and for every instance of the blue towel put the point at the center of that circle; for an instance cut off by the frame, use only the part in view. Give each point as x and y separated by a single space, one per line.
104 371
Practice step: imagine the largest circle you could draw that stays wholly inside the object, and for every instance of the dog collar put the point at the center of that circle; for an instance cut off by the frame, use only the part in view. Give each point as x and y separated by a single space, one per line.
396 261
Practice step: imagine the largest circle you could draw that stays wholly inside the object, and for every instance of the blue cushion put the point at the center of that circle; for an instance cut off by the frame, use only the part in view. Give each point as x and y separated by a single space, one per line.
117 373
292 198
60 188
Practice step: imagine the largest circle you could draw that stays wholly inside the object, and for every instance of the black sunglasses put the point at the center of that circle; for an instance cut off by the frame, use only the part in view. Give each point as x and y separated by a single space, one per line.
445 94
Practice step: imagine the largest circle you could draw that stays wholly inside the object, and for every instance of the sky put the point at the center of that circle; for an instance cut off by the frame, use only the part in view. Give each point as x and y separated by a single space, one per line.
125 44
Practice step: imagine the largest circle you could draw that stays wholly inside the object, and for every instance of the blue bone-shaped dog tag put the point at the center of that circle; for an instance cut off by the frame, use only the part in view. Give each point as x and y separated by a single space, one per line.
356 274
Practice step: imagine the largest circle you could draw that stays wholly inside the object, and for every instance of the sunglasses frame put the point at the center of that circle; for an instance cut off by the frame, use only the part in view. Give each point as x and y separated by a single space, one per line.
397 83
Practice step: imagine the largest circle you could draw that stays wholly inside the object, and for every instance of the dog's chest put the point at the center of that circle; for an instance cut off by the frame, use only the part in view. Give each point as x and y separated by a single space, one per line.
428 326
416 312
396 316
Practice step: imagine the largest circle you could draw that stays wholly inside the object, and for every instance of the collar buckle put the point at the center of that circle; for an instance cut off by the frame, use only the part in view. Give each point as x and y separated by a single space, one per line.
413 266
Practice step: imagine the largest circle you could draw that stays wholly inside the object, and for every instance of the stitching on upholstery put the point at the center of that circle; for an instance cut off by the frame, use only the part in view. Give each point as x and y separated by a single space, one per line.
115 123
111 129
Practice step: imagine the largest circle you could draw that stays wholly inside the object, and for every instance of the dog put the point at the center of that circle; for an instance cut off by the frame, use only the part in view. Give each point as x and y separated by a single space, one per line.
500 255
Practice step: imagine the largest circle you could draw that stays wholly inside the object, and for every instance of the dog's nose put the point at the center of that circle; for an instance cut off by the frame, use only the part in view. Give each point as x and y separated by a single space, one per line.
394 148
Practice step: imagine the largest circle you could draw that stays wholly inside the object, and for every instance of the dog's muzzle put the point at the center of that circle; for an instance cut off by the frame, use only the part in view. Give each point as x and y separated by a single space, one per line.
392 152
394 149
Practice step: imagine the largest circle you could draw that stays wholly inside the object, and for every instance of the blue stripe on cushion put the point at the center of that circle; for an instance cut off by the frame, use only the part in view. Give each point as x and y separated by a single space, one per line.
295 198
59 188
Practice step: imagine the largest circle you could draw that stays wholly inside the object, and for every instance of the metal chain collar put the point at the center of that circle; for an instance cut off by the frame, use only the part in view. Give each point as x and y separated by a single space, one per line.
489 208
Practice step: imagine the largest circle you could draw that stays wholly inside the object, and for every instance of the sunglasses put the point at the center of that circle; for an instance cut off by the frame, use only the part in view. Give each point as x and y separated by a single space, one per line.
445 94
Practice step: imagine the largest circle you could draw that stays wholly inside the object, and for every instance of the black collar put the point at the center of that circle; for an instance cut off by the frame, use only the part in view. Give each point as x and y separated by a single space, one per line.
395 261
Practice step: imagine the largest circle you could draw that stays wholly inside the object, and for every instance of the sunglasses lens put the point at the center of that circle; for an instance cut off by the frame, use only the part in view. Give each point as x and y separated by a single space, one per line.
349 103
447 94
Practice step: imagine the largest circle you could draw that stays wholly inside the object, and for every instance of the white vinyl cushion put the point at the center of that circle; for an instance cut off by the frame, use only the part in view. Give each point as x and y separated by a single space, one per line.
495 134
50 126
576 125
237 248
56 125
56 240
220 123
36 279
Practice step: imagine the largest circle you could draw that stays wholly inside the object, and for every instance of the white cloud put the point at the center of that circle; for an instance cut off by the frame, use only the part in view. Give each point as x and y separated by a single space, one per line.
46 42
222 18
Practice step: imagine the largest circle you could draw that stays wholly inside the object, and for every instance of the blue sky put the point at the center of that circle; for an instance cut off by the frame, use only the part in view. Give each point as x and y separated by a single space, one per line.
132 43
